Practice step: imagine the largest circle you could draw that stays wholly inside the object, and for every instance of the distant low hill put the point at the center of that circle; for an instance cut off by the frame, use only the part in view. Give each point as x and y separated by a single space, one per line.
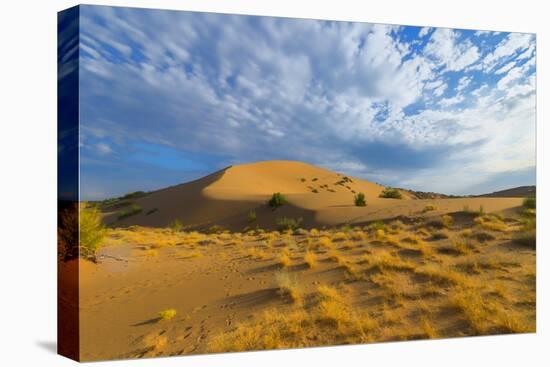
516 192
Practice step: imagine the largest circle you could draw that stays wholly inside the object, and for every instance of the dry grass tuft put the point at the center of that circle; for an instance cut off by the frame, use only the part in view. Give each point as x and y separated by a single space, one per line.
288 286
284 260
310 259
168 314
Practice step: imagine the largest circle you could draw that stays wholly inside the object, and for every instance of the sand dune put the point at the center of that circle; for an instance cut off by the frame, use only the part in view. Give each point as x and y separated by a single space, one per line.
319 196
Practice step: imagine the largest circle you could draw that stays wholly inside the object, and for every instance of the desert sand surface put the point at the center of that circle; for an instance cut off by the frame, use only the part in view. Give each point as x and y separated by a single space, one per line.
392 270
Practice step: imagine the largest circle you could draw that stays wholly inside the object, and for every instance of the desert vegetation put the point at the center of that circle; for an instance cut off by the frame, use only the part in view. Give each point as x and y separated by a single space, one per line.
380 281
391 193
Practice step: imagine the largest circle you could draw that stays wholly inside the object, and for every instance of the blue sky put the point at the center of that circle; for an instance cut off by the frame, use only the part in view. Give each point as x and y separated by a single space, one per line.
168 96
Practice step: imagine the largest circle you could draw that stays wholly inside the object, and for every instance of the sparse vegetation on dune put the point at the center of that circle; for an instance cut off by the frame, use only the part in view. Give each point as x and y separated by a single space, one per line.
168 314
91 230
284 223
360 199
277 200
391 193
422 276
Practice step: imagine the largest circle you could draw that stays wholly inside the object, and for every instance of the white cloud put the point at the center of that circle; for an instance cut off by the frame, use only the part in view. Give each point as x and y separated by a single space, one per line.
513 43
446 102
451 52
424 31
463 83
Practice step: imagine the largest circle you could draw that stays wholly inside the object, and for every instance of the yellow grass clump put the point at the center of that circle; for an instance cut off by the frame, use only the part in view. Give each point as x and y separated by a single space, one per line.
168 314
325 242
310 259
288 286
284 260
358 236
340 236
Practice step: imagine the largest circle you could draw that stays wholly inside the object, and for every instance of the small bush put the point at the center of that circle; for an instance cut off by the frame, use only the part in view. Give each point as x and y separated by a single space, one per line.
285 223
277 200
391 193
167 314
176 225
92 231
128 212
251 216
360 199
530 202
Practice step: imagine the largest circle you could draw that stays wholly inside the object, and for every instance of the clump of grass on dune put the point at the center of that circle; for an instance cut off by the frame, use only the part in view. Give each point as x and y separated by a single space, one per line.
327 293
168 314
391 193
359 199
310 259
288 286
277 200
330 321
284 260
325 242
447 220
256 253
358 235
91 231
285 224
485 316
444 276
460 246
492 223
527 236
339 236
386 261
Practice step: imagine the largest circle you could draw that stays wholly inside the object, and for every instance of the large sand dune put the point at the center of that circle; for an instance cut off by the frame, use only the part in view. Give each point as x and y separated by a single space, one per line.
319 196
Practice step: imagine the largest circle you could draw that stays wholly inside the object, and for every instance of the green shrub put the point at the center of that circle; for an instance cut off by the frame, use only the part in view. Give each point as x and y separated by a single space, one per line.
176 225
92 231
277 200
360 199
251 216
285 223
128 212
391 193
530 202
